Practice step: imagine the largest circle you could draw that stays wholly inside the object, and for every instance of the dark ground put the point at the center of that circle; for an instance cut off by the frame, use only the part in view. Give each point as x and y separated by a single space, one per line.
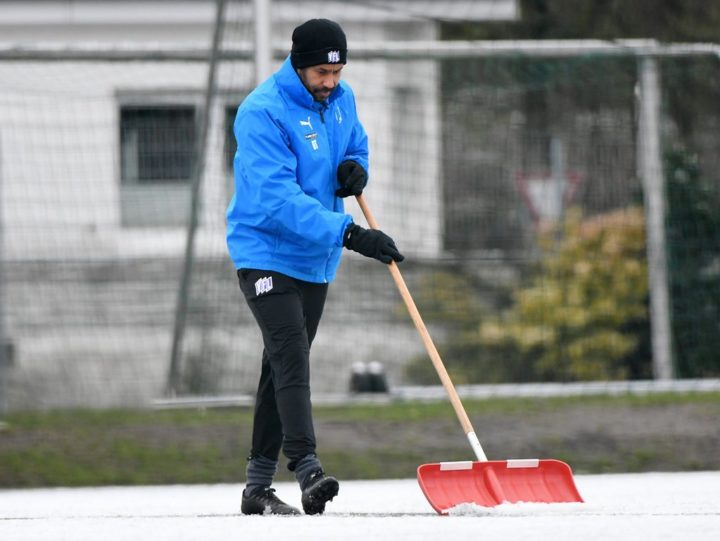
593 434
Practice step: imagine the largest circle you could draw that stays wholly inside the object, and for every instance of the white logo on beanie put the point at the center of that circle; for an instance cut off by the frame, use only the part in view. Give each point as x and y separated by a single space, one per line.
333 57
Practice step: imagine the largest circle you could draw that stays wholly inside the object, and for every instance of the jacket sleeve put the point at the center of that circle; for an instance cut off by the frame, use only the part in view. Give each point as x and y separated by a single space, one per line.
270 167
357 149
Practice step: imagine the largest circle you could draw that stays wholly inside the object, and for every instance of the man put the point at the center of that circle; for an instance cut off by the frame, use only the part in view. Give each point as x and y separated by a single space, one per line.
301 150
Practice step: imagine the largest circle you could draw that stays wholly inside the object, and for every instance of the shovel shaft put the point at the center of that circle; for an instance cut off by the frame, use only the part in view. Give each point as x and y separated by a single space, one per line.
429 344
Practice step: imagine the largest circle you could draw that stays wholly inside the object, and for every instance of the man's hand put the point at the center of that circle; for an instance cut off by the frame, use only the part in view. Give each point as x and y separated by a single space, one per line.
371 243
352 178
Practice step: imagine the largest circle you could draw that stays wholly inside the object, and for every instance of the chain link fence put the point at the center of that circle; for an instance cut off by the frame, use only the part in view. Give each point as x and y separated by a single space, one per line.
511 178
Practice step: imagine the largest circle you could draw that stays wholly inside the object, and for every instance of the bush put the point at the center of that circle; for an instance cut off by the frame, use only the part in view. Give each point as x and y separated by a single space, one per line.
578 318
583 316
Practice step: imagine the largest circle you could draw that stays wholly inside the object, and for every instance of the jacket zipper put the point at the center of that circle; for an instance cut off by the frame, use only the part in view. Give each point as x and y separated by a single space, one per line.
321 110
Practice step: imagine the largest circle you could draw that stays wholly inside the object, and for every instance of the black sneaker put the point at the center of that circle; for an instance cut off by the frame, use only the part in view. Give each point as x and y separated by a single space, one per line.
262 501
318 490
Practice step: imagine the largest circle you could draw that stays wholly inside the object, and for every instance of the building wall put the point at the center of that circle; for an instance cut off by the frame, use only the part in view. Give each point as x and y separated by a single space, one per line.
61 145
90 302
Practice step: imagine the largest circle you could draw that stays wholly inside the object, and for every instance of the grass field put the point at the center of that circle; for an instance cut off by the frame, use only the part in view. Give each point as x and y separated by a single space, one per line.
660 432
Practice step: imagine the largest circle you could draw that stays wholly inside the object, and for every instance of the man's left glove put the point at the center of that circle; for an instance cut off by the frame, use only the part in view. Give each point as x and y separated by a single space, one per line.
371 243
352 178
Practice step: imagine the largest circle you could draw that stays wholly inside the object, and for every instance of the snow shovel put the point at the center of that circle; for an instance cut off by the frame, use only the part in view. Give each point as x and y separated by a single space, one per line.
485 482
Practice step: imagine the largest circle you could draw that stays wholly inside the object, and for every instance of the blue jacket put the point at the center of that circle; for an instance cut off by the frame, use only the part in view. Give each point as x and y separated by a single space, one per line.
284 215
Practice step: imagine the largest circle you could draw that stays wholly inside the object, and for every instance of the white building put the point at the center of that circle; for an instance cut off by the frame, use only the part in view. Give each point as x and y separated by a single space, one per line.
99 107
66 164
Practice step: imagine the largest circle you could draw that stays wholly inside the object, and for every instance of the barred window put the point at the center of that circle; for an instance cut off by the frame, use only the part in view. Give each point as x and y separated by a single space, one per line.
157 143
157 149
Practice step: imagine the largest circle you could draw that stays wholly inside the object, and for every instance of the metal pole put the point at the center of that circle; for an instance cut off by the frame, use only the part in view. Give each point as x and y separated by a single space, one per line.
198 170
263 37
380 50
3 360
651 172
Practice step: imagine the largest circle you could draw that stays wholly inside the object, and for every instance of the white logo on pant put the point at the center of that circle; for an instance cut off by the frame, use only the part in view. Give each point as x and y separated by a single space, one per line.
263 285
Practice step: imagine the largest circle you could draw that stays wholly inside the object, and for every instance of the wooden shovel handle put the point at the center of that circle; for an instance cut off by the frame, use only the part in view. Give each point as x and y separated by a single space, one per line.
427 341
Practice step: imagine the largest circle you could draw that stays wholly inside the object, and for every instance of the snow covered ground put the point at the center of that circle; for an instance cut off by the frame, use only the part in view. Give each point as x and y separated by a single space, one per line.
657 506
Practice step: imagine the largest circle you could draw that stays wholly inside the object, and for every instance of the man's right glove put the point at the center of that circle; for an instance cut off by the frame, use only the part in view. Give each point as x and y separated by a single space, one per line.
371 243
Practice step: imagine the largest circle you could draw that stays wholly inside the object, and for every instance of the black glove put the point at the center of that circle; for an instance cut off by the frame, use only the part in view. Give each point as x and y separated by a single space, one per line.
371 243
352 178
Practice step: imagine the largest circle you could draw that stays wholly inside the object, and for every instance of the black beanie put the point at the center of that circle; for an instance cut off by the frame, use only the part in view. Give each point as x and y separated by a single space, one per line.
318 41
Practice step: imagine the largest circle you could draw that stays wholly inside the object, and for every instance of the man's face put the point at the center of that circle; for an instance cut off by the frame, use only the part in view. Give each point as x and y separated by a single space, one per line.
321 80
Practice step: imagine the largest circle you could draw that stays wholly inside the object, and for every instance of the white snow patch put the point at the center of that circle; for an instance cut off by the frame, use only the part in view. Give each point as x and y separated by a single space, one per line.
620 507
518 509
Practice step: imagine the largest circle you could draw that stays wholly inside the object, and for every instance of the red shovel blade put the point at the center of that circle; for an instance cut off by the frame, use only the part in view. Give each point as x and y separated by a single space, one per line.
448 484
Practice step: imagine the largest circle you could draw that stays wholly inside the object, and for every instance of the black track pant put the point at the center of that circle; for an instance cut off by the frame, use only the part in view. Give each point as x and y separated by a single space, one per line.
288 312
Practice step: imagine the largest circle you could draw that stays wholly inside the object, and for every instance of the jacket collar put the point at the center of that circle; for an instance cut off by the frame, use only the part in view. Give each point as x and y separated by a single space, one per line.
289 81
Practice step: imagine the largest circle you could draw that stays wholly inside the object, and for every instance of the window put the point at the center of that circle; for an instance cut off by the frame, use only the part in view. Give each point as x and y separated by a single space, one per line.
157 148
157 143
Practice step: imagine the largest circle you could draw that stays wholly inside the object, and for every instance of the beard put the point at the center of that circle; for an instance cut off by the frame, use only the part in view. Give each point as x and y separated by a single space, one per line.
320 93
